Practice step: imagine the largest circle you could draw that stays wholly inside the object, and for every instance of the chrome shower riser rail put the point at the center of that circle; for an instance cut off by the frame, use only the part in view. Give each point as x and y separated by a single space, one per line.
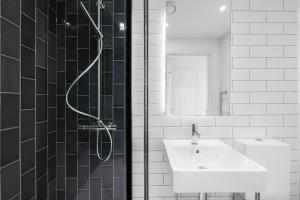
98 120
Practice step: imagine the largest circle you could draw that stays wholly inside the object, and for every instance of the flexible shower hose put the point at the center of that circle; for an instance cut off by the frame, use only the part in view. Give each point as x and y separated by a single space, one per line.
98 120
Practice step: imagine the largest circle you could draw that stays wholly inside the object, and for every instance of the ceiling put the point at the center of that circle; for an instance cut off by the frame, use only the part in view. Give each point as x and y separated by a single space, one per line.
198 19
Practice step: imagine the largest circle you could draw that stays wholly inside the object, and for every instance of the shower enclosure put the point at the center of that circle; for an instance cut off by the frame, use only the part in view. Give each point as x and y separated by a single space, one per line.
93 76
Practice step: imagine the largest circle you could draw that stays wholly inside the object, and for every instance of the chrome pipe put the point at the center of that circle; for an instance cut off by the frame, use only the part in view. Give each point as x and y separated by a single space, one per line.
91 19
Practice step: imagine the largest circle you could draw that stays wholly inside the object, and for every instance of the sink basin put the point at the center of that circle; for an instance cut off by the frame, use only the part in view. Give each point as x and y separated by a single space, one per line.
212 166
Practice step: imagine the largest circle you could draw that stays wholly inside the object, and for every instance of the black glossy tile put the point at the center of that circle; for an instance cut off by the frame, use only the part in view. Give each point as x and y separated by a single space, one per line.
41 108
95 165
61 151
71 119
41 53
51 95
41 25
10 75
119 72
27 63
10 41
10 9
41 80
119 142
94 75
119 166
71 190
107 60
9 146
83 136
28 7
83 154
61 59
83 177
107 84
107 111
51 70
108 36
83 104
83 194
52 21
107 177
41 163
27 32
42 6
61 106
119 47
41 188
82 18
27 124
83 59
95 188
61 130
51 144
108 14
27 155
83 86
61 39
61 195
41 135
119 96
119 189
71 48
71 70
72 28
52 190
71 7
119 25
71 143
83 36
61 88
119 6
119 116
51 119
51 169
107 194
61 178
10 175
51 46
10 110
27 94
71 166
52 4
60 12
28 185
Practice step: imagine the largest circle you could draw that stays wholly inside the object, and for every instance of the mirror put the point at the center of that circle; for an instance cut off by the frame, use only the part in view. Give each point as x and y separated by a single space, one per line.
198 57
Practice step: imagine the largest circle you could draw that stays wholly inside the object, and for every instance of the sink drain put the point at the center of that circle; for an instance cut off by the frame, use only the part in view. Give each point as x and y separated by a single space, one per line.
202 167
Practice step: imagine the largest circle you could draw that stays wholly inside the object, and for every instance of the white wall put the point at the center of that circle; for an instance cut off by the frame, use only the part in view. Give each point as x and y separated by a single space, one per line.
263 93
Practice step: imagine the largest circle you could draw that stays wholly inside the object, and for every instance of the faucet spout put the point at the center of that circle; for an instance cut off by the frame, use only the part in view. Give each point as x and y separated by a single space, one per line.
195 135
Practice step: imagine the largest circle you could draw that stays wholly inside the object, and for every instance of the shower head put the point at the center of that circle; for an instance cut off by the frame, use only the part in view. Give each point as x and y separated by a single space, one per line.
90 19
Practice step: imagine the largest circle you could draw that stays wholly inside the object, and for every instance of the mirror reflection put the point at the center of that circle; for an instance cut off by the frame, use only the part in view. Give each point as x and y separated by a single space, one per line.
198 58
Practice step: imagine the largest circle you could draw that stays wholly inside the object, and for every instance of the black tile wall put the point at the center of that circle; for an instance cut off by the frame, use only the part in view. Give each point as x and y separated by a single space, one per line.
80 174
28 100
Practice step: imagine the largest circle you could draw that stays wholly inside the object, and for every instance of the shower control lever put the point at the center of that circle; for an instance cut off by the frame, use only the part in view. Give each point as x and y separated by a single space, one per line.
110 126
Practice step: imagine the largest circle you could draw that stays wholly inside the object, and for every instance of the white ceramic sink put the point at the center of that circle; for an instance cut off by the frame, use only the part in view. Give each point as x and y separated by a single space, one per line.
215 168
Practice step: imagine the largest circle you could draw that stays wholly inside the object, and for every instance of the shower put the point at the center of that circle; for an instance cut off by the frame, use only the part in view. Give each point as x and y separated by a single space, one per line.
100 125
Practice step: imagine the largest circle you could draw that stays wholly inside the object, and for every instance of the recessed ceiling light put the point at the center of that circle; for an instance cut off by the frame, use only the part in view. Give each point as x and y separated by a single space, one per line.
122 26
222 8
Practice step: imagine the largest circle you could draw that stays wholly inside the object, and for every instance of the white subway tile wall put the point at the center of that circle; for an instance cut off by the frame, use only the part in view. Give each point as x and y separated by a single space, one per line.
263 98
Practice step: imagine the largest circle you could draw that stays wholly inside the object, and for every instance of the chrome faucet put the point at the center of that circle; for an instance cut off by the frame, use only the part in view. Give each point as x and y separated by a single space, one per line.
195 135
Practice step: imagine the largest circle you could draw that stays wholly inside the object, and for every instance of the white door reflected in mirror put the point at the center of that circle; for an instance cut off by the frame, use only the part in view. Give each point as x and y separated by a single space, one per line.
187 78
198 57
